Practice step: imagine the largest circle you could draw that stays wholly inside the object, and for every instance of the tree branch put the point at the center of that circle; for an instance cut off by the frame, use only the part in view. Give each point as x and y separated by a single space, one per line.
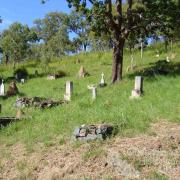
109 11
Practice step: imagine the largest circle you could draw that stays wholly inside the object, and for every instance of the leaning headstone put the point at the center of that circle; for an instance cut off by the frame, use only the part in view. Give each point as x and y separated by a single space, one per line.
102 82
69 91
2 89
93 88
138 89
12 90
82 73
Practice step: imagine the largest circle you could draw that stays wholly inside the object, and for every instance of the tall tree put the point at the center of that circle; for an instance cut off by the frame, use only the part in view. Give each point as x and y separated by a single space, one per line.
108 16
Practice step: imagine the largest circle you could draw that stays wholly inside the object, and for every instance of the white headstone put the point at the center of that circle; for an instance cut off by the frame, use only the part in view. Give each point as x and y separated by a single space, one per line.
138 89
167 59
69 90
2 89
22 81
102 79
94 93
138 83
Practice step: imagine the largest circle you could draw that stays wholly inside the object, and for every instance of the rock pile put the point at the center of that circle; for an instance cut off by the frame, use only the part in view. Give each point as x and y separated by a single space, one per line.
93 132
37 102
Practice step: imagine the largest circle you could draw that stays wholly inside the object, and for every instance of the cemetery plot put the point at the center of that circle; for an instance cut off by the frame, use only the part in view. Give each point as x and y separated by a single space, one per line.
93 132
6 120
37 102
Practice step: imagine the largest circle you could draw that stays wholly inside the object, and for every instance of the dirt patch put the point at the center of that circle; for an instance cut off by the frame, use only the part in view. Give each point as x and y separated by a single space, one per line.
140 157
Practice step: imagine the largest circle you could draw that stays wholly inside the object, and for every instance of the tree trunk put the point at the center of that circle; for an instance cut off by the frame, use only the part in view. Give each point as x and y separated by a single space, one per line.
117 65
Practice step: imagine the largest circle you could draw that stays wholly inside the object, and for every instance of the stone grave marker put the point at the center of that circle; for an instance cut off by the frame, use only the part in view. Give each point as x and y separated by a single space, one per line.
102 82
12 90
93 88
82 72
22 81
51 77
2 89
138 89
69 90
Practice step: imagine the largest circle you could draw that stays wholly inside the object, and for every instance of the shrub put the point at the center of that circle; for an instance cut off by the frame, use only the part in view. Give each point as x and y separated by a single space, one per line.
61 73
21 73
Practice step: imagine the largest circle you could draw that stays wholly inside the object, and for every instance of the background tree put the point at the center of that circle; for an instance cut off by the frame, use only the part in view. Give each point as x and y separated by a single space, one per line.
15 42
53 31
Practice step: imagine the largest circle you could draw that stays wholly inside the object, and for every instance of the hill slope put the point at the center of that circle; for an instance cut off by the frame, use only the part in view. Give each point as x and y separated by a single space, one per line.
52 128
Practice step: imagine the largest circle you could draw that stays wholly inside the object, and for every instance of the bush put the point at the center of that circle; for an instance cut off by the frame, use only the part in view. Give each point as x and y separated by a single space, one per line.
61 73
21 73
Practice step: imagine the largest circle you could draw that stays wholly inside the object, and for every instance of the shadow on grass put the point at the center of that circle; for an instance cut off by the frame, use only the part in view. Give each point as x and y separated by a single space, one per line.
159 68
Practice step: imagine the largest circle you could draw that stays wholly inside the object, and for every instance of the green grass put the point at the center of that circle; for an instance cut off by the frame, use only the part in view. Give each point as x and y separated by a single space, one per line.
161 99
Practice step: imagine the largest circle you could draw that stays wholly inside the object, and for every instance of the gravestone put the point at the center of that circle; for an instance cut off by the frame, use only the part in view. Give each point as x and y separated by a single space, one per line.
51 77
2 89
94 93
138 88
167 59
93 88
82 73
102 82
22 81
69 90
12 90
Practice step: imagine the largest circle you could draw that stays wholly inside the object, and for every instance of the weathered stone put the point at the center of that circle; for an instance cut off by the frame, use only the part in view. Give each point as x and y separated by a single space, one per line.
19 114
82 73
92 132
94 91
37 102
76 131
82 132
12 90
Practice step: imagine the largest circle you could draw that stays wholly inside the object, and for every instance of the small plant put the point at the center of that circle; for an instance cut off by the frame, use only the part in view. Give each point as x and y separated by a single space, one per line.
156 175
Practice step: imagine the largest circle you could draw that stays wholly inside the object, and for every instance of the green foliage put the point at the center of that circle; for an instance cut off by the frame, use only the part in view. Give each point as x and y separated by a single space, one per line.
15 41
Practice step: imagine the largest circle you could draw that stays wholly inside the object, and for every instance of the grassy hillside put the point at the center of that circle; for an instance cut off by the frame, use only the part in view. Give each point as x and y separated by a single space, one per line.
161 100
